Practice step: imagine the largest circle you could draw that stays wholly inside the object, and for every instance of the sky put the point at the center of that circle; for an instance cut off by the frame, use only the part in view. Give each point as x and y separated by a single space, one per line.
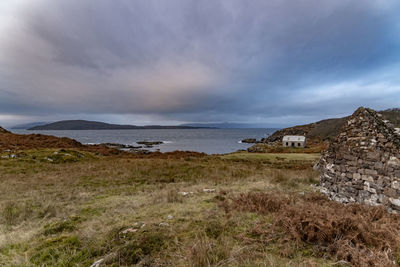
275 62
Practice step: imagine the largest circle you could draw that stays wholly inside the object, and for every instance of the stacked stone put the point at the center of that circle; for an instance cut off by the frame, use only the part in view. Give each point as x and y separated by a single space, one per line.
363 163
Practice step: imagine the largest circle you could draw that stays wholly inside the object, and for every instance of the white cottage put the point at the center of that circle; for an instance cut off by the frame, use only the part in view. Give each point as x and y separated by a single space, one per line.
294 141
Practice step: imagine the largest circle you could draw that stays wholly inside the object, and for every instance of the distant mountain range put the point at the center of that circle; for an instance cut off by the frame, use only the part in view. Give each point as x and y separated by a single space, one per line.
95 125
228 125
27 125
323 129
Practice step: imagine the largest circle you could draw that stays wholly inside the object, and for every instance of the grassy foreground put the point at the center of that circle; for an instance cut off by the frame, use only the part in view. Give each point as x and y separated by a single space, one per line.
73 208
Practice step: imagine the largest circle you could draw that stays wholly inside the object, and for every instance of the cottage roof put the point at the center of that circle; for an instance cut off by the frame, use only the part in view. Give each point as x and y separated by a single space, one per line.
294 138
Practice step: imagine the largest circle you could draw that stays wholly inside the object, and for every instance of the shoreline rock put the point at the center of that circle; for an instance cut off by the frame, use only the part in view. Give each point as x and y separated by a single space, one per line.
250 141
150 143
120 146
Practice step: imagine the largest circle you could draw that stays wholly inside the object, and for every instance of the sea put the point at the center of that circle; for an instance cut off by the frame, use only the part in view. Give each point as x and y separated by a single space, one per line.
210 141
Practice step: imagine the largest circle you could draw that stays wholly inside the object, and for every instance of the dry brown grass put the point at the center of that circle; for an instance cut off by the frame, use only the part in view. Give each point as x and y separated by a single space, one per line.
358 234
71 212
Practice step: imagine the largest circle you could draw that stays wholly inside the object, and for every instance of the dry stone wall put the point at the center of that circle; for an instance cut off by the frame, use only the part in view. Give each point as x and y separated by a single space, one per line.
363 163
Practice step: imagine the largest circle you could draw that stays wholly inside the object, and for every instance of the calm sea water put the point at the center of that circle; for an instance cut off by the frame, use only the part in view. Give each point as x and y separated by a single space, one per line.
210 141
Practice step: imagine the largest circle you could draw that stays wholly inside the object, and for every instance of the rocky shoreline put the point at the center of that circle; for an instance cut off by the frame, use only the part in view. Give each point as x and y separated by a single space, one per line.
142 149
250 141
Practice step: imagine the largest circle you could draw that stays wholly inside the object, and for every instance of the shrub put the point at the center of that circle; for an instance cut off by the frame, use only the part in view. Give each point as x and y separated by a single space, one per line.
132 248
358 234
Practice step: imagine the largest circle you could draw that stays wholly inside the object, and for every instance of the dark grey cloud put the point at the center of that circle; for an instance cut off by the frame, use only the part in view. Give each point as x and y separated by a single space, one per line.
194 60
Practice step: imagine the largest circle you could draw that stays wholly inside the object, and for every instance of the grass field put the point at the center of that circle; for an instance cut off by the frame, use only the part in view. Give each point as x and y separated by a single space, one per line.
273 157
72 208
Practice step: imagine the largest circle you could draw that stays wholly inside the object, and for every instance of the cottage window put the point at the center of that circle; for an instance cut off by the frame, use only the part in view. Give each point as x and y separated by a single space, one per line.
287 143
298 144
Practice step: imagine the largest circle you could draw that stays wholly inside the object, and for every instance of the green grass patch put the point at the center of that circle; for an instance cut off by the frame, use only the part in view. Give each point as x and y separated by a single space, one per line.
66 225
74 211
60 251
273 157
55 156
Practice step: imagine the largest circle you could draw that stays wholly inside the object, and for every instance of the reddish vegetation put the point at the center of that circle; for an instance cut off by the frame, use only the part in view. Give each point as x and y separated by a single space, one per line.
34 141
358 234
15 142
175 155
21 142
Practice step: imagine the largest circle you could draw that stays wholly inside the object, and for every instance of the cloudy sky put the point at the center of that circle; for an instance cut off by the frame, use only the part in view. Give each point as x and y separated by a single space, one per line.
151 61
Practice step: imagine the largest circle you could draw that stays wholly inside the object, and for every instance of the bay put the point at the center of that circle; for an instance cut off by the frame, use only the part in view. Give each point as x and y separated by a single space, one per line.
210 141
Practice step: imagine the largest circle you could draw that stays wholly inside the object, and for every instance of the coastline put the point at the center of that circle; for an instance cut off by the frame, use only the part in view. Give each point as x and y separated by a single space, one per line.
210 141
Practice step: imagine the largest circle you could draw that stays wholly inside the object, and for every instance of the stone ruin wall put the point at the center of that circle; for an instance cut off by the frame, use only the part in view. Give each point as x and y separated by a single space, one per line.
363 163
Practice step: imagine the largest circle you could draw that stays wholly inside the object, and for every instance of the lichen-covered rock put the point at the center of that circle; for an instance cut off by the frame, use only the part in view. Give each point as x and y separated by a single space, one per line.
363 163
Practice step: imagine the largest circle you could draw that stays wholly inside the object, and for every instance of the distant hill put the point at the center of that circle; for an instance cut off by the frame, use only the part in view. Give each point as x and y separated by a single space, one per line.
95 125
227 125
392 115
315 132
27 125
326 130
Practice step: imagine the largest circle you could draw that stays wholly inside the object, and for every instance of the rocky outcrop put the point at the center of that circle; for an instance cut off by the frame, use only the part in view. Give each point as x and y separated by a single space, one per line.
150 143
363 163
317 132
249 141
3 130
120 146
